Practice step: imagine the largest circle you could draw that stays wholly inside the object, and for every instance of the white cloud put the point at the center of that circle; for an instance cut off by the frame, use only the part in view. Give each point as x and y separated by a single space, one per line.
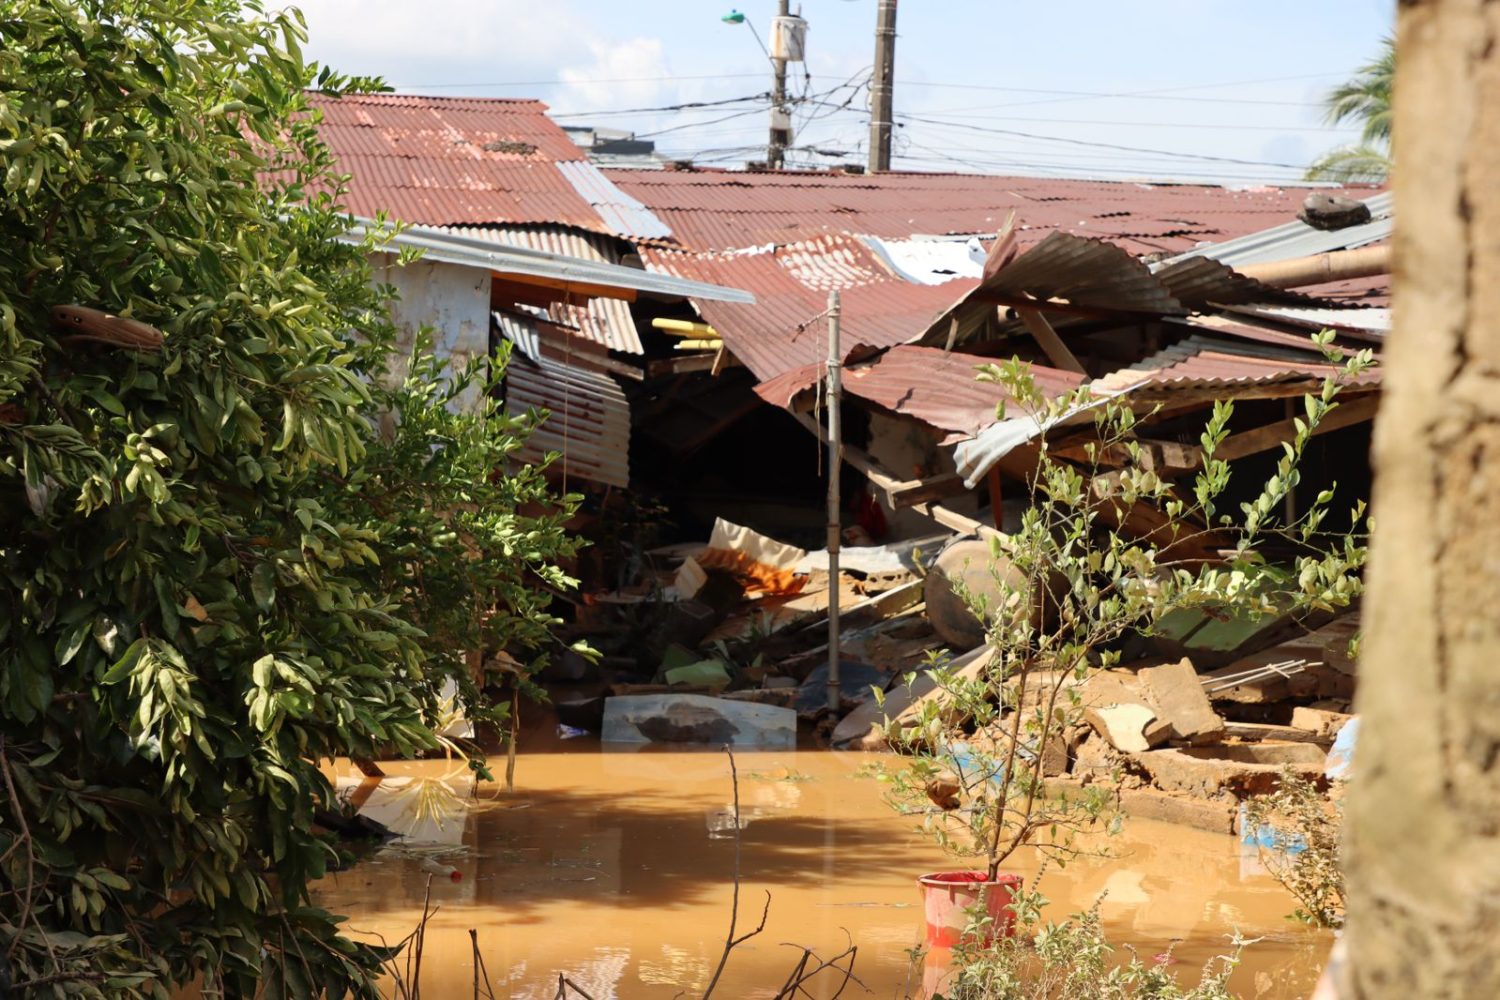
631 73
431 42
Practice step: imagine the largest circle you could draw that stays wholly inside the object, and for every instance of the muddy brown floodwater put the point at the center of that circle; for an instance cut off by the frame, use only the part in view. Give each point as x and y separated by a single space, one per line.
617 869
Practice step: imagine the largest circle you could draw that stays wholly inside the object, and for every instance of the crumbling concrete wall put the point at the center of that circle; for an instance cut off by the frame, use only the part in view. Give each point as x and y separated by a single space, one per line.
453 300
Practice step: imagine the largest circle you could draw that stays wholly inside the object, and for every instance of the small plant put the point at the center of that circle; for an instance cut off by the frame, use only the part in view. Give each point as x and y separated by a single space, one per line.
1106 548
1071 960
1298 829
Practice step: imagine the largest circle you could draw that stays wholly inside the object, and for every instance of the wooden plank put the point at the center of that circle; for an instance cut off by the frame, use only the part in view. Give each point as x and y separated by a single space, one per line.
1057 352
1165 458
693 363
922 490
1252 442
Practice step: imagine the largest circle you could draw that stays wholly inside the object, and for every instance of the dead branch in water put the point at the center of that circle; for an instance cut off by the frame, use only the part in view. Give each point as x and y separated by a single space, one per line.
730 941
564 984
801 974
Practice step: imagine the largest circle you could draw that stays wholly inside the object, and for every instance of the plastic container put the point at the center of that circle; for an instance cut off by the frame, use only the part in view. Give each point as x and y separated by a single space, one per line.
948 896
445 871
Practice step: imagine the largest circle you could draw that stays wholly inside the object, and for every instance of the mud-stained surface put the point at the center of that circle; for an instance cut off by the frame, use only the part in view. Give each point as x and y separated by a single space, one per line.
617 869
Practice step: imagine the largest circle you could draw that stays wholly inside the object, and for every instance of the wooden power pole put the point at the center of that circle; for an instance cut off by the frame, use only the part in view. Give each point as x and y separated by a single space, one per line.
882 85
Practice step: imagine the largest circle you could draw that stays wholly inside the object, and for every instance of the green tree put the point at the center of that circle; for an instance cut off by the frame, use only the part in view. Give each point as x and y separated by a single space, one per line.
1364 100
216 568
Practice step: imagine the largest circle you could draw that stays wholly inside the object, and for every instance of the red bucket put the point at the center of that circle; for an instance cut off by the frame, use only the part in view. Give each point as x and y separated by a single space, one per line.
948 896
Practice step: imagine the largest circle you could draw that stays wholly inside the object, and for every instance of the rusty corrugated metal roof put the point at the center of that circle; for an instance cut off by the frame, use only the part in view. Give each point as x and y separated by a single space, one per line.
604 321
1083 272
1203 362
589 423
936 387
724 210
791 286
443 161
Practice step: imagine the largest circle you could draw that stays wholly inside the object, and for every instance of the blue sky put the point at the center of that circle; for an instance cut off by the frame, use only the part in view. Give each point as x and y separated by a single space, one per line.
982 85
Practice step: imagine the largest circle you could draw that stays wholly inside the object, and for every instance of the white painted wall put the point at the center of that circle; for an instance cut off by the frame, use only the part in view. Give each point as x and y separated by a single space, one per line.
453 300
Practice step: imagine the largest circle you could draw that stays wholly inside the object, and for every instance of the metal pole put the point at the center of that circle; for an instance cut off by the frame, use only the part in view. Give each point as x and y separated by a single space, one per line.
779 136
882 86
835 518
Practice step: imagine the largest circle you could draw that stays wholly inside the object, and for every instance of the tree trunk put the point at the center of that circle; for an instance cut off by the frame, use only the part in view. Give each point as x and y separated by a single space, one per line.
1423 836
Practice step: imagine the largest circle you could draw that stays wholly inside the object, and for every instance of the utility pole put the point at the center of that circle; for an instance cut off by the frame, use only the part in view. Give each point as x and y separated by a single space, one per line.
835 507
781 135
882 85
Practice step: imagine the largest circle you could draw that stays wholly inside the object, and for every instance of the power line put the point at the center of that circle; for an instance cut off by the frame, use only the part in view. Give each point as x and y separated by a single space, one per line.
1131 124
685 106
1102 145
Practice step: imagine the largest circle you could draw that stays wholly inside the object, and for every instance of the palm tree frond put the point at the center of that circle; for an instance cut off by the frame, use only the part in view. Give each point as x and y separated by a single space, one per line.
1350 164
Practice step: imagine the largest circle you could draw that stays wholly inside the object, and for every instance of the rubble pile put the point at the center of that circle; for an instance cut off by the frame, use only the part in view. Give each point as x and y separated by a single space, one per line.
727 642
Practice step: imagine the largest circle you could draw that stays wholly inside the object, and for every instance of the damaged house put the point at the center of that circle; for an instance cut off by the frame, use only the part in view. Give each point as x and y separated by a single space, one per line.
677 334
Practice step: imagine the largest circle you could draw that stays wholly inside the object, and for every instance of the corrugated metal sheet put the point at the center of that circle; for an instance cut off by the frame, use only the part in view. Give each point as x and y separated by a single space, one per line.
621 213
1372 320
1203 362
589 423
450 161
604 321
724 210
449 247
1298 239
1200 281
791 285
936 387
1084 272
1199 367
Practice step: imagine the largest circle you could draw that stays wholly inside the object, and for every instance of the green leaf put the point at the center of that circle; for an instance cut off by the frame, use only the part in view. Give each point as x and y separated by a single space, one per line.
125 664
263 585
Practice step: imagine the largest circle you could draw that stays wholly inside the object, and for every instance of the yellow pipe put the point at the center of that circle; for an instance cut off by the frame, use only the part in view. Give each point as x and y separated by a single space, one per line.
684 328
698 345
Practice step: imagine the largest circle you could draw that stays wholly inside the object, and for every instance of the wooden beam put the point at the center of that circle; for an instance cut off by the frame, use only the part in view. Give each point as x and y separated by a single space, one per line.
575 291
918 491
894 487
1165 458
692 363
1252 442
1057 352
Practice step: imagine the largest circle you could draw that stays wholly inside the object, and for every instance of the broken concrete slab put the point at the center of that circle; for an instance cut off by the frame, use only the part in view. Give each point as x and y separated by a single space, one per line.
1213 815
1319 722
688 718
1240 771
1257 732
1176 693
1123 726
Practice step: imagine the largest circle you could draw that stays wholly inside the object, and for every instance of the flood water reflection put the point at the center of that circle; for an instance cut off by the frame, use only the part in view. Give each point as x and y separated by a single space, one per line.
617 870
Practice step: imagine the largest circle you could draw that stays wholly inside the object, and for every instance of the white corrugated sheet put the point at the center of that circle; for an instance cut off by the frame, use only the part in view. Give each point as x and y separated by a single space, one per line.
1369 319
927 260
621 213
589 422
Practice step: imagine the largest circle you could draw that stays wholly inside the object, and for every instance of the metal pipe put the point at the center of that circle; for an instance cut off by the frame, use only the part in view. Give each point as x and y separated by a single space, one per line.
1337 265
835 518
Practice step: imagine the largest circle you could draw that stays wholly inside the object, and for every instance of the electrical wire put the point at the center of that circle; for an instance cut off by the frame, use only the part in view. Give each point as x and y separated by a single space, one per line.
1103 145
